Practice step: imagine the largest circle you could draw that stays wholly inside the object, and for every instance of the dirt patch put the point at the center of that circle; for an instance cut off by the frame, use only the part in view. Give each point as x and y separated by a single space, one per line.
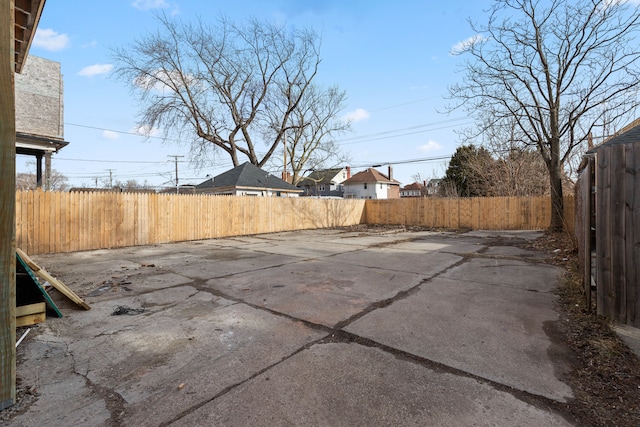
606 379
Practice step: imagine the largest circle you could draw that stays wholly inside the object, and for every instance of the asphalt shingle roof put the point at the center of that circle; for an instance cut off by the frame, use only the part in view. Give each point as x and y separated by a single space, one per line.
247 175
323 176
629 137
369 175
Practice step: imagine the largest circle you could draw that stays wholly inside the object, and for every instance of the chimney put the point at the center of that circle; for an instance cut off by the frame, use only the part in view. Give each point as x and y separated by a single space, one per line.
286 176
348 172
390 172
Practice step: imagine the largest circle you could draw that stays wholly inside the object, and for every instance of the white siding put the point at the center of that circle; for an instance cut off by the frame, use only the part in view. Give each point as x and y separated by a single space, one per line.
377 190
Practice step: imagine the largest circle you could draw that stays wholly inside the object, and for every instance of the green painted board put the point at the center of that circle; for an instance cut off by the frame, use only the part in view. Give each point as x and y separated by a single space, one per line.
28 287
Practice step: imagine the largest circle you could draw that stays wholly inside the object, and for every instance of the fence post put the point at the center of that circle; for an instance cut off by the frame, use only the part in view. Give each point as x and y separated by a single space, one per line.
7 208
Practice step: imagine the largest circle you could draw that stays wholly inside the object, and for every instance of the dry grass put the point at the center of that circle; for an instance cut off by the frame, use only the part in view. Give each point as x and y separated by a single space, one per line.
606 379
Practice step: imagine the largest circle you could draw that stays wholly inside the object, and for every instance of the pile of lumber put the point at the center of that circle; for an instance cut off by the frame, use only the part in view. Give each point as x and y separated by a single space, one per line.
32 299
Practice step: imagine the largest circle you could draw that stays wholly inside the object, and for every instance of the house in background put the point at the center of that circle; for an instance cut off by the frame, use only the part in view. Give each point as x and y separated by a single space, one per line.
325 182
371 184
39 113
433 186
248 180
414 190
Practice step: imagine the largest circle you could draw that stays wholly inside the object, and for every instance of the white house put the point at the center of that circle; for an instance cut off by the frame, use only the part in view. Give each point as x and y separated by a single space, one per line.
248 180
371 184
325 182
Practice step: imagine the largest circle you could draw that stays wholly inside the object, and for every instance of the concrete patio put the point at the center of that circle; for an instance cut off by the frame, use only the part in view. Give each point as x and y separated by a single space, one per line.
324 327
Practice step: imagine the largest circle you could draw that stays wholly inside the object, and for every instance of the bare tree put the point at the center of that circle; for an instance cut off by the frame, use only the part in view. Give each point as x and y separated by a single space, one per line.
309 140
518 170
559 68
28 181
133 185
237 88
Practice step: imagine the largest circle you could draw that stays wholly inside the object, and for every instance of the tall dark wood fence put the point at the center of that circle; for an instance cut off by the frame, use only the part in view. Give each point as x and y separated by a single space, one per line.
608 228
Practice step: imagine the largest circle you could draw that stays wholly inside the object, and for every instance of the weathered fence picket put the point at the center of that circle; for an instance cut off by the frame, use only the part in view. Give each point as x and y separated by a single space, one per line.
50 222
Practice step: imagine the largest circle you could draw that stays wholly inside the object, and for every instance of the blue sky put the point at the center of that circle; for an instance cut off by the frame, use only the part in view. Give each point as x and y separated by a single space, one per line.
393 59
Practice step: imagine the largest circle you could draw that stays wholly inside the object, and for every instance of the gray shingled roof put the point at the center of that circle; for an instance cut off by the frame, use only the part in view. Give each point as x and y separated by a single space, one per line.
369 175
323 176
629 137
247 175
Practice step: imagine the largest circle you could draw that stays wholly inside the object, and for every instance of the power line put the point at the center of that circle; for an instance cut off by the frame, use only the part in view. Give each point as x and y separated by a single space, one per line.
111 161
382 135
115 131
402 162
345 141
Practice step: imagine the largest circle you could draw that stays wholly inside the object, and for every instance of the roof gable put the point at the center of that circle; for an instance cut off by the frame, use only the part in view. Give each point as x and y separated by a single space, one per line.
369 175
322 176
413 186
247 175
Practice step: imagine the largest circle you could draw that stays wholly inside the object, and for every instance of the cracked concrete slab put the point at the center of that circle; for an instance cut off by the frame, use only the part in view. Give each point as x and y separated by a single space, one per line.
425 263
449 246
185 353
514 251
318 291
450 340
348 384
508 273
502 334
306 250
236 262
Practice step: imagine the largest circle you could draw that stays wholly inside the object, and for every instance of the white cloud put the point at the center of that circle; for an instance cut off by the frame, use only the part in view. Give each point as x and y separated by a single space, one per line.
465 45
430 146
356 115
145 130
51 40
109 134
149 4
94 70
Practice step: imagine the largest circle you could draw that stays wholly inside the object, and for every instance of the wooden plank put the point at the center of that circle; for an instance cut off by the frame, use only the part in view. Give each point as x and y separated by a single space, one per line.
53 281
619 302
34 281
7 209
633 235
604 293
25 310
585 214
30 319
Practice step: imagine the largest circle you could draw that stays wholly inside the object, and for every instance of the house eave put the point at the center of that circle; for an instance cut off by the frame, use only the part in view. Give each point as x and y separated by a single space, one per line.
26 17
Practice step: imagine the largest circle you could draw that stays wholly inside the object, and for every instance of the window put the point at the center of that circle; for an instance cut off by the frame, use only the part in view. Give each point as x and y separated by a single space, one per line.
365 185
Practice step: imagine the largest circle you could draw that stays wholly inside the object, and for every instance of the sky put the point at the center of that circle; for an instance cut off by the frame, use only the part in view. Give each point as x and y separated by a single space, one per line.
395 61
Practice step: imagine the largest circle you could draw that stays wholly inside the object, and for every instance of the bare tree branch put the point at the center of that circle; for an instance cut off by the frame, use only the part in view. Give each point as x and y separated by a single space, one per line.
220 85
560 70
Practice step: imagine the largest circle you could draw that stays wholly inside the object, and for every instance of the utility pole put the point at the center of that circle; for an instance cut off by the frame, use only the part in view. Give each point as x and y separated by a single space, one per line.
176 160
110 177
284 168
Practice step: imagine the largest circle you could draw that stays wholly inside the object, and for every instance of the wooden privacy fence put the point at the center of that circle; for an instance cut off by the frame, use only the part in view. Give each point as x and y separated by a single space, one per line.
51 222
477 213
609 221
